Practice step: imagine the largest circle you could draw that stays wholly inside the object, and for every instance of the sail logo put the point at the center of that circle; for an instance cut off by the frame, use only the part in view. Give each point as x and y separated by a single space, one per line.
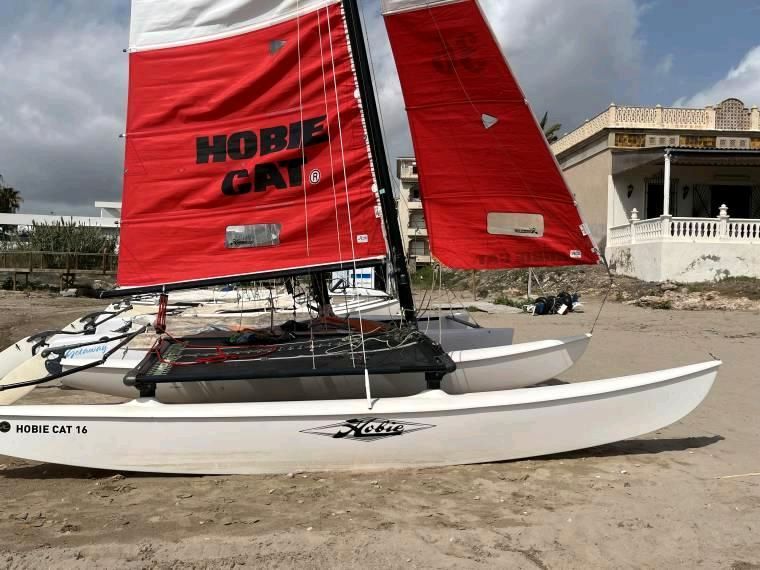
251 144
459 52
367 429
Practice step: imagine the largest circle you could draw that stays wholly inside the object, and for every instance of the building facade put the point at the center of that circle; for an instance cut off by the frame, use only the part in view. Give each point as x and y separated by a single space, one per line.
411 217
109 219
670 193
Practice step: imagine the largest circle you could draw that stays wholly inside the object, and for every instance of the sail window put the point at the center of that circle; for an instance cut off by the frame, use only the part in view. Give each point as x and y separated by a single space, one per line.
253 235
515 224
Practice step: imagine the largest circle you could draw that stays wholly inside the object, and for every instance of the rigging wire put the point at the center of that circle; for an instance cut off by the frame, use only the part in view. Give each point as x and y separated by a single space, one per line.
395 186
343 164
332 162
300 107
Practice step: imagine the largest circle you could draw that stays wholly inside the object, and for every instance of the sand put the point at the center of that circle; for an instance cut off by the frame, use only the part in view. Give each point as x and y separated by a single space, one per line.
653 502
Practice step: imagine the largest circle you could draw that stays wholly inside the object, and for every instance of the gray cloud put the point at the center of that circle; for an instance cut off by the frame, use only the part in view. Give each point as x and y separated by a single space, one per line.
63 83
63 92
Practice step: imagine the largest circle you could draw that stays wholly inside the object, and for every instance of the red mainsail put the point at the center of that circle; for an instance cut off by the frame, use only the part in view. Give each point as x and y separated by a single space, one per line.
245 147
492 192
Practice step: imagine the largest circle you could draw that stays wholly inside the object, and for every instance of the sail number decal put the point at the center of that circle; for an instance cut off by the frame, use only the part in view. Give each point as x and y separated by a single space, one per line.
44 429
367 429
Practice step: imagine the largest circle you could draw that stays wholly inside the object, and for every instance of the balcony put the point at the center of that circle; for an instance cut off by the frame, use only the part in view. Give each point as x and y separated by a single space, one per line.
685 249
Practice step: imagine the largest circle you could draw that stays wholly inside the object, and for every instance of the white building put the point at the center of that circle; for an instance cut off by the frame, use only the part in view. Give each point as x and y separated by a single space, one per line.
110 215
411 216
670 193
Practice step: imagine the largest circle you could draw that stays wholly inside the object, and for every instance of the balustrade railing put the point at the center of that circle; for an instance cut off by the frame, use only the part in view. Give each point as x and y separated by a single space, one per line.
666 228
628 117
620 235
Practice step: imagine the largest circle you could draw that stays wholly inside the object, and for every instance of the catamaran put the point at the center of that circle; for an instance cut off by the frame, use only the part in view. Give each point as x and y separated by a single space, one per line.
254 151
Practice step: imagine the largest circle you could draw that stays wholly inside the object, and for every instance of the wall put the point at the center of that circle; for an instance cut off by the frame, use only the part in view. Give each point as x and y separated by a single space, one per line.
685 262
588 180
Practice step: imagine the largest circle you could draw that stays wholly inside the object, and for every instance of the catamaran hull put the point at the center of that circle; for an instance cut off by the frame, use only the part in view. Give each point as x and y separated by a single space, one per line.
428 429
478 370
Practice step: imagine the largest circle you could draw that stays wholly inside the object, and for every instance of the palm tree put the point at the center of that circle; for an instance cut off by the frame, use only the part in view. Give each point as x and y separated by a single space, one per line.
10 199
551 131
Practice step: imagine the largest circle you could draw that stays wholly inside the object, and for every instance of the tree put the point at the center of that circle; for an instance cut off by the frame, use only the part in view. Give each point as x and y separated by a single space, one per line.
550 132
10 199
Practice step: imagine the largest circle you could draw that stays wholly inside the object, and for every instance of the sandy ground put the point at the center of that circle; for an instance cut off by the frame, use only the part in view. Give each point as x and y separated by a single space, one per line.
653 502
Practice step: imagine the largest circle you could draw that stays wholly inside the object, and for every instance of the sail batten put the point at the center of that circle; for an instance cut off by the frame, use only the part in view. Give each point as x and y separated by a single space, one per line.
493 195
245 146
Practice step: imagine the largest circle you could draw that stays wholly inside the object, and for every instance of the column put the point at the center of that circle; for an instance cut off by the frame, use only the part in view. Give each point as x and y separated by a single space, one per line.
666 217
754 118
666 186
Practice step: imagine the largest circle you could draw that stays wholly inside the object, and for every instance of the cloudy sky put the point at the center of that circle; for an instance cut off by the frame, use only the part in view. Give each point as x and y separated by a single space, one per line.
63 76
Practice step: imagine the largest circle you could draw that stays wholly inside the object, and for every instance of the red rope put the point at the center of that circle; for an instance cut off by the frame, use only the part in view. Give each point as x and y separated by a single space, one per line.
163 301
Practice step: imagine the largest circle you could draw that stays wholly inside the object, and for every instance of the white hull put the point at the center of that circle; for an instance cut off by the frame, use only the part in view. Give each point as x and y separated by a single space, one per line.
478 370
13 358
432 428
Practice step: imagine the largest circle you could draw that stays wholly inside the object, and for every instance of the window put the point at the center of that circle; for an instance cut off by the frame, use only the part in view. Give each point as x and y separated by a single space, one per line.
419 247
414 193
253 235
417 220
414 168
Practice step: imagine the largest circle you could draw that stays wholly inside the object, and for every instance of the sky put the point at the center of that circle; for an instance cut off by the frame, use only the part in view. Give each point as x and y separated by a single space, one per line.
63 76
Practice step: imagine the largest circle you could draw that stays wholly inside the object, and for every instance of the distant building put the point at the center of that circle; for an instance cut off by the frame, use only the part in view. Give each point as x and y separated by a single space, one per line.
670 193
110 215
411 217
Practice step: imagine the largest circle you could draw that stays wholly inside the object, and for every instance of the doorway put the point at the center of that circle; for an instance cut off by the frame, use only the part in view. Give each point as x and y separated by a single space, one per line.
737 198
655 193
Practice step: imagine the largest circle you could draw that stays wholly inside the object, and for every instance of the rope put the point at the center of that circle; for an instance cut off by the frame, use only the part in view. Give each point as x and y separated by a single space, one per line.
606 294
300 107
330 147
163 302
343 154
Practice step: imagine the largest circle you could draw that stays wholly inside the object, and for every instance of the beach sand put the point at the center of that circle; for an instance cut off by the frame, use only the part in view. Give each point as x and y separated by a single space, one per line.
656 501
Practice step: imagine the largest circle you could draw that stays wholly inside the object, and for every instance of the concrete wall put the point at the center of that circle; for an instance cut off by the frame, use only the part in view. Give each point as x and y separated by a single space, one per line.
685 262
588 180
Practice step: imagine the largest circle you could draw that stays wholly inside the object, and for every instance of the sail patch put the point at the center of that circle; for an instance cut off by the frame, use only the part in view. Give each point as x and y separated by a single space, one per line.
253 235
515 224
488 120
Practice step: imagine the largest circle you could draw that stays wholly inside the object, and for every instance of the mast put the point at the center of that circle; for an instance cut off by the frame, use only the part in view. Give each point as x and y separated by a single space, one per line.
379 159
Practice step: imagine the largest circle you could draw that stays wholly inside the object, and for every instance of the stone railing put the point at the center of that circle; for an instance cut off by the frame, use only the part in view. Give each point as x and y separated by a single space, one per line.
667 228
620 235
626 117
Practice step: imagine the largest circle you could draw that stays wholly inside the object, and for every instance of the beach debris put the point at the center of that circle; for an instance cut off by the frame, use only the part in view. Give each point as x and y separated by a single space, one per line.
739 475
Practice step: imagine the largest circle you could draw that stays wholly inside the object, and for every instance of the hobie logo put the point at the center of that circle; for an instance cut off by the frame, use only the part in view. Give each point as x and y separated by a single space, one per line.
367 429
283 145
5 427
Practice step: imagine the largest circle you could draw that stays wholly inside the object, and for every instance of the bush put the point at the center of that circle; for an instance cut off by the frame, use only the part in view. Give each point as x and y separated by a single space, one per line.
61 238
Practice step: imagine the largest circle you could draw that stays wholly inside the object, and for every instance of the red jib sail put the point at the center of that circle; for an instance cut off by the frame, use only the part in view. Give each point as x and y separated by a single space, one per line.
246 150
492 192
